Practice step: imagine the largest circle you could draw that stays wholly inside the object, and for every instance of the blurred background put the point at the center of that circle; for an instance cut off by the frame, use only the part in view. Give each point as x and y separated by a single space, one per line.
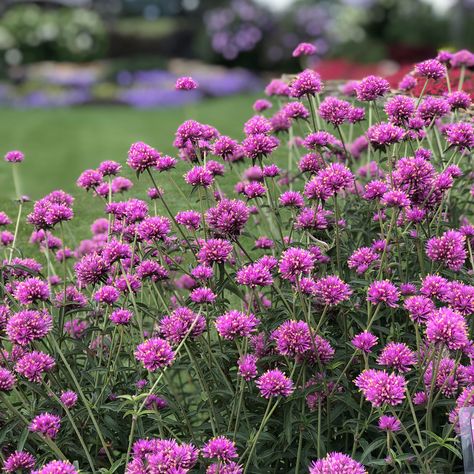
82 79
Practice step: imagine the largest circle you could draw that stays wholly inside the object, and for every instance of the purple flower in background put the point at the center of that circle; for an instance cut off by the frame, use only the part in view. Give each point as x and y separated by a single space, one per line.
261 104
46 424
430 69
14 156
304 49
7 380
186 83
121 316
247 367
68 398
460 135
389 423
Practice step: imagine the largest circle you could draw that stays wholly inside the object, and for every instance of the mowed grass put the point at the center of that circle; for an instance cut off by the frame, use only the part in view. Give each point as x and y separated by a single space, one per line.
60 143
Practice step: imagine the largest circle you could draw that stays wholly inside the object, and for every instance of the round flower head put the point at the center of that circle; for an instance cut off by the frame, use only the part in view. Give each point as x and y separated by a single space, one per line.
331 290
256 125
383 134
220 448
142 157
329 181
430 69
90 269
419 308
372 87
259 145
292 338
380 388
154 228
459 100
189 219
304 49
46 424
34 364
31 290
89 179
389 423
214 251
57 467
254 275
121 316
362 259
19 461
230 467
14 156
334 110
383 292
407 83
432 108
153 402
462 58
228 217
295 110
154 354
364 341
202 296
247 366
109 168
68 398
7 380
235 324
181 322
449 249
460 135
107 294
398 356
399 109
4 219
26 326
261 104
447 327
274 383
186 83
307 82
336 463
199 176
295 262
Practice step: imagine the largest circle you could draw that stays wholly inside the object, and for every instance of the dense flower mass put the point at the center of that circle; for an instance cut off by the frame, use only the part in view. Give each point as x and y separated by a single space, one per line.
302 291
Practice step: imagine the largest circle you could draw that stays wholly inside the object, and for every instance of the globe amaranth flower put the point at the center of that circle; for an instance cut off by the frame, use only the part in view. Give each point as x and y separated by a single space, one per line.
89 179
154 228
461 58
277 87
254 189
419 308
14 156
304 49
220 448
154 402
389 423
261 104
362 258
34 364
57 467
329 181
331 290
109 168
460 135
253 275
235 324
447 327
291 199
107 294
214 251
449 249
399 109
292 338
247 365
199 176
46 424
380 388
230 467
154 354
336 463
189 219
371 88
256 125
311 163
295 110
68 398
121 316
26 326
364 341
432 108
398 356
91 269
142 157
19 461
407 83
295 262
186 83
151 269
31 290
7 380
307 82
430 69
395 198
449 375
459 297
202 296
259 145
274 383
434 286
384 134
334 111
383 292
459 100
181 322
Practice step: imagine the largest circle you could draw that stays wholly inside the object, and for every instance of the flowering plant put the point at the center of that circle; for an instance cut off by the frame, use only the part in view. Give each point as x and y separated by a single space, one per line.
317 321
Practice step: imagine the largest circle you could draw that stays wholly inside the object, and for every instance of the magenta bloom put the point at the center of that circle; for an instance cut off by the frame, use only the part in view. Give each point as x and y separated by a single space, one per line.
228 217
154 228
334 111
235 324
331 290
329 181
7 380
247 367
154 354
364 341
142 157
380 388
202 296
199 176
186 83
362 259
389 423
292 338
46 424
107 294
14 156
220 448
304 49
307 82
419 308
398 356
384 134
214 251
449 249
19 461
109 168
447 327
26 326
31 290
180 322
68 398
90 269
259 145
372 87
89 179
295 263
383 292
57 467
460 135
336 463
34 364
254 275
430 69
190 219
434 286
291 199
121 316
261 104
407 83
399 109
274 383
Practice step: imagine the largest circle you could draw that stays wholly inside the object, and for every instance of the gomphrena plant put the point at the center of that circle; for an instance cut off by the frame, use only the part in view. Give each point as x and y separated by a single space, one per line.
317 321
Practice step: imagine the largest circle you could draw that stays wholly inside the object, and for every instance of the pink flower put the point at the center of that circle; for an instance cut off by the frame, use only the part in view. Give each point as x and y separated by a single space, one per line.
274 383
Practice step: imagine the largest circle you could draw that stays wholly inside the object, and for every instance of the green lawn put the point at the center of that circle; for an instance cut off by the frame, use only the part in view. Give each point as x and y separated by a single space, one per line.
60 143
